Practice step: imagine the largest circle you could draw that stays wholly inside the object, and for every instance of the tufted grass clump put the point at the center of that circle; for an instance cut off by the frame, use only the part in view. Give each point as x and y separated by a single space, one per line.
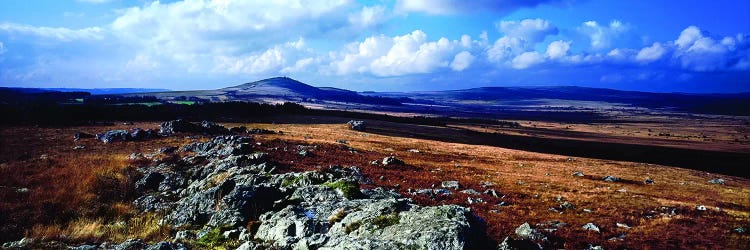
214 240
386 220
351 227
293 181
349 189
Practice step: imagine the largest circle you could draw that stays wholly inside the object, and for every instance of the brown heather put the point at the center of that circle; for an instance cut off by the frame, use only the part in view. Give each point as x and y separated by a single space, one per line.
84 195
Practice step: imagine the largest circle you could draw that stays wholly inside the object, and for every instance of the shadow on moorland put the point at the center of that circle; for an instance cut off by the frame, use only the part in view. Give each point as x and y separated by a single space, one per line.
729 163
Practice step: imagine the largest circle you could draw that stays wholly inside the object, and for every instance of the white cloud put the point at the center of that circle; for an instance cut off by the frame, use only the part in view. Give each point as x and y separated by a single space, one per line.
698 52
462 61
688 36
369 16
300 65
61 34
142 62
194 34
395 56
527 59
650 54
558 49
529 30
447 7
602 37
2 48
272 60
520 37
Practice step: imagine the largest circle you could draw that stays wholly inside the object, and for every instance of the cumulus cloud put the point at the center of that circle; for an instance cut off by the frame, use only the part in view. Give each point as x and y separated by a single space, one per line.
558 49
462 61
193 32
369 16
650 54
400 55
446 7
602 36
697 51
272 60
61 34
530 30
520 36
527 59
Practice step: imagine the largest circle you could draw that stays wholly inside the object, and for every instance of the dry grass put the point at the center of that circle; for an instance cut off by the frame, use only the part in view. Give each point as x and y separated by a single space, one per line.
533 181
64 185
70 192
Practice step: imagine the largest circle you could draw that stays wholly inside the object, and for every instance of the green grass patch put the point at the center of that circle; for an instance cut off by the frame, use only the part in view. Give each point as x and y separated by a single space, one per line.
349 189
214 240
351 227
183 102
149 104
289 182
387 220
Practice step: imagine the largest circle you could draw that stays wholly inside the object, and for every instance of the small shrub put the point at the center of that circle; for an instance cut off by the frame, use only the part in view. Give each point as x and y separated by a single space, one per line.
337 216
214 240
349 189
289 182
352 227
387 220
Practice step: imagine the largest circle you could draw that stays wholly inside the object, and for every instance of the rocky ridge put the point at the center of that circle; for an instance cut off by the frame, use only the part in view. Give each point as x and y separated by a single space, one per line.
226 192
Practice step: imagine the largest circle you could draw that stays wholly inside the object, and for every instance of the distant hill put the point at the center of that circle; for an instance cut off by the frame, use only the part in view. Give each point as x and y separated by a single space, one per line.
278 89
107 91
727 104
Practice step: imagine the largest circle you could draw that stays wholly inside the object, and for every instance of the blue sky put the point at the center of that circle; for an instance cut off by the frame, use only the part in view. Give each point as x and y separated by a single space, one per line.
388 45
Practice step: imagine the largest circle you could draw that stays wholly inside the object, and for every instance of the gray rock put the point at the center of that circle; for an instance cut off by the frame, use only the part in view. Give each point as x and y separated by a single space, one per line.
166 246
578 174
184 235
81 135
232 234
648 181
470 192
260 131
610 178
177 126
524 231
566 206
472 200
140 134
392 160
622 225
168 150
114 136
150 182
132 244
357 125
592 247
20 244
701 208
440 191
718 181
451 185
86 247
492 192
591 227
